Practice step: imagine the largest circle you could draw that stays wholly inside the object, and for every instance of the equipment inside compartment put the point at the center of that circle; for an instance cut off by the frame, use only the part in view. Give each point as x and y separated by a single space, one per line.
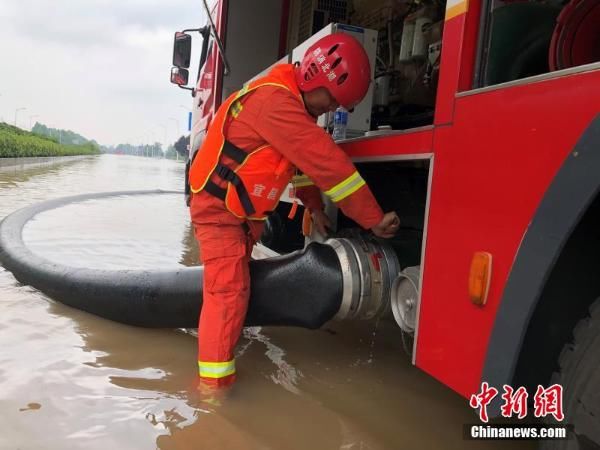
408 58
517 39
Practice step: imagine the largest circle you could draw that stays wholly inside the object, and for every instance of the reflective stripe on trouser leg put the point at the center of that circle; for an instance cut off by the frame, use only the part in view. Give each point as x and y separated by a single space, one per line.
225 254
208 369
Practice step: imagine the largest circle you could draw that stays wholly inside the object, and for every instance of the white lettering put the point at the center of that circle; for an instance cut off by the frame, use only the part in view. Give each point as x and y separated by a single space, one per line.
509 432
258 190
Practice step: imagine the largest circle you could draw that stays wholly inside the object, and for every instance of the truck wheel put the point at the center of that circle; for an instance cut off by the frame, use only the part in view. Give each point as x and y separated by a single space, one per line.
579 374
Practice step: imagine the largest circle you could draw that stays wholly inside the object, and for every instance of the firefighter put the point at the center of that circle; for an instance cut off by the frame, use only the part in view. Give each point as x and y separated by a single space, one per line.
259 138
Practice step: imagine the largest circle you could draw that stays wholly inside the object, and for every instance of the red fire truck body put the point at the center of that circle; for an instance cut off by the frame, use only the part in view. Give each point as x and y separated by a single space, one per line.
513 170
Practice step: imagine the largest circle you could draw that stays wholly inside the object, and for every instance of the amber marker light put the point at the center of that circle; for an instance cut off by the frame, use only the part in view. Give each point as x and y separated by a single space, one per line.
479 277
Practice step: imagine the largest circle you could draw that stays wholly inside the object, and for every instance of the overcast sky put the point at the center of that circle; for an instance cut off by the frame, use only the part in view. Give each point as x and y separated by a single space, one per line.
97 67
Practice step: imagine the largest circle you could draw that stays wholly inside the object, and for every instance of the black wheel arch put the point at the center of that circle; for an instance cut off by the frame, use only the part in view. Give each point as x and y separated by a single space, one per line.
555 275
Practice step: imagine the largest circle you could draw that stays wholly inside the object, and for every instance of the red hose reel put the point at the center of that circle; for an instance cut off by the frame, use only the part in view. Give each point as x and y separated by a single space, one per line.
576 38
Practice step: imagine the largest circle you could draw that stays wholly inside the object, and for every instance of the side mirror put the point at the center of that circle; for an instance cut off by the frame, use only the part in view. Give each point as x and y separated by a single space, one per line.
182 50
179 76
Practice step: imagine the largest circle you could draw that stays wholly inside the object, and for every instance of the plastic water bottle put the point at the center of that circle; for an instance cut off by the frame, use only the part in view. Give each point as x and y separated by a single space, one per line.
340 122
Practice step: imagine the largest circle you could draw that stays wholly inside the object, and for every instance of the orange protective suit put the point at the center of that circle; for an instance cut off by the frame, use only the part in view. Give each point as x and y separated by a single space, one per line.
269 115
225 249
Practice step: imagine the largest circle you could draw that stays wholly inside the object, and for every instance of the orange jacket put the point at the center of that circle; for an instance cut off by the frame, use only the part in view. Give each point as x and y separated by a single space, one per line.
271 115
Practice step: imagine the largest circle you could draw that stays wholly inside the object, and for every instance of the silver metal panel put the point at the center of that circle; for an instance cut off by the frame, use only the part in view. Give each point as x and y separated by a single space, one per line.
385 133
409 157
359 120
534 79
423 256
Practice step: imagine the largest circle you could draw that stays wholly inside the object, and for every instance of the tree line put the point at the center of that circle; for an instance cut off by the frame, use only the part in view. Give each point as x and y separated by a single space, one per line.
178 150
66 137
15 143
46 141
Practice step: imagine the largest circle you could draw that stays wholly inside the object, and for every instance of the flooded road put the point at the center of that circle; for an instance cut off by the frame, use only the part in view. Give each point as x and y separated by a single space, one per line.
71 380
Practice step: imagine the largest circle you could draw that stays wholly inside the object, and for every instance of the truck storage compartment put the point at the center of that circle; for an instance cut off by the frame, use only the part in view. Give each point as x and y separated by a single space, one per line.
406 57
401 187
381 276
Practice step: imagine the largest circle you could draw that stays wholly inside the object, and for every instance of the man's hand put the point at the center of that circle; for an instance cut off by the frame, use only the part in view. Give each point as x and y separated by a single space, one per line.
388 226
321 222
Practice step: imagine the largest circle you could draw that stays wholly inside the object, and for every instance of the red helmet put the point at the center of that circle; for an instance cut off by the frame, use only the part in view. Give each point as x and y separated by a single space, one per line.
339 63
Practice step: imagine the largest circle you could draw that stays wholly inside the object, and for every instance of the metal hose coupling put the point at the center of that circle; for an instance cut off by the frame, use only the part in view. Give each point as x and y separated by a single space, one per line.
369 268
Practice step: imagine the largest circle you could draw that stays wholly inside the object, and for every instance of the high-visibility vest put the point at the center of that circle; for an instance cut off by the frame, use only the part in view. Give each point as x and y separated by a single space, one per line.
256 184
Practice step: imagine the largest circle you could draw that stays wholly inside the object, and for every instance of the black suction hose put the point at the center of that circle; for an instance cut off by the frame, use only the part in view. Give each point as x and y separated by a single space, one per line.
301 289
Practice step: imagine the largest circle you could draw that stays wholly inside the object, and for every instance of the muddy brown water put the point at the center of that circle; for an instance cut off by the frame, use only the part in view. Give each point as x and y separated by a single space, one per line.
70 380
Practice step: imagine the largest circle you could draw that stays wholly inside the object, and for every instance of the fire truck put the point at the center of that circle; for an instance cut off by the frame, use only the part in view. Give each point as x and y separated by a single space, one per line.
481 129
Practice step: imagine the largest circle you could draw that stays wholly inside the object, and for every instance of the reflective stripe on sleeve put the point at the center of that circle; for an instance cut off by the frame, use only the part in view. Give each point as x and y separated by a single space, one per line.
347 187
236 108
236 105
301 181
216 369
242 91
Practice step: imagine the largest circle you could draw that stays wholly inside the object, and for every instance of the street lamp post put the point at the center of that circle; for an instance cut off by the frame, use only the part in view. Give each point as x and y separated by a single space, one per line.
165 134
17 113
177 130
140 146
151 140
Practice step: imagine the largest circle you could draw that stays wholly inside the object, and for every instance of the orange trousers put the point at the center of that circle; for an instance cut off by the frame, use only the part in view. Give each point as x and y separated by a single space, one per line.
225 248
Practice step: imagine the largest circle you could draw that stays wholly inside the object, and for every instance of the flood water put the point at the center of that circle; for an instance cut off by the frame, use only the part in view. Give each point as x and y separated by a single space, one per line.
70 380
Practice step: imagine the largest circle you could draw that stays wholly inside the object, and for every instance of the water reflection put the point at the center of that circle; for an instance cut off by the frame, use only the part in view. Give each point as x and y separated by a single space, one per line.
190 256
117 232
23 172
158 366
71 380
